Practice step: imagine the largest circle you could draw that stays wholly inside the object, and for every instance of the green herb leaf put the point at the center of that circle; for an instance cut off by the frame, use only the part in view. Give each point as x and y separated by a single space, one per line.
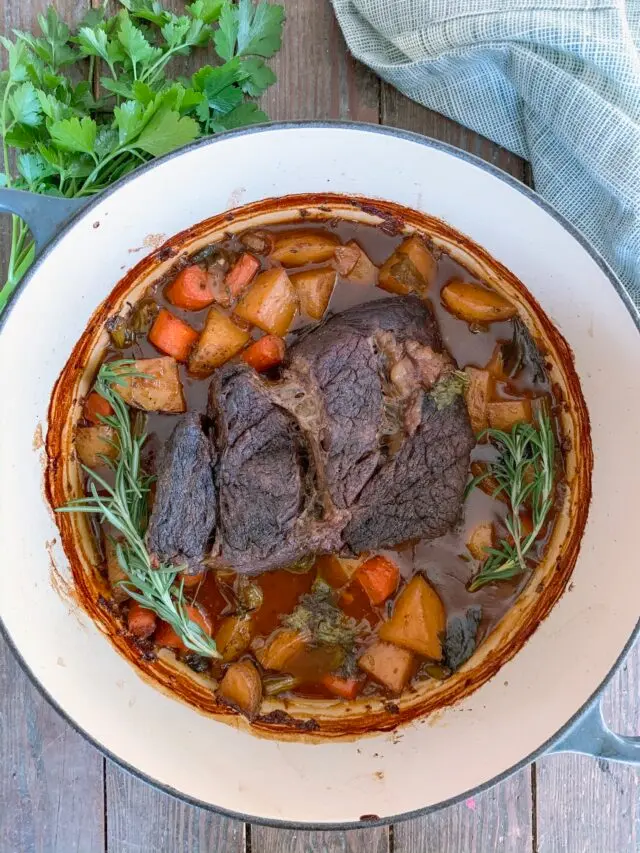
25 105
129 120
134 43
18 57
243 115
225 37
167 130
94 42
74 134
207 11
33 167
259 28
257 76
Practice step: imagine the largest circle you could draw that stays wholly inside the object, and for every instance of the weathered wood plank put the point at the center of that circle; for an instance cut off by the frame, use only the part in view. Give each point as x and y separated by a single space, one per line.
317 78
498 819
266 840
141 819
398 111
589 806
51 779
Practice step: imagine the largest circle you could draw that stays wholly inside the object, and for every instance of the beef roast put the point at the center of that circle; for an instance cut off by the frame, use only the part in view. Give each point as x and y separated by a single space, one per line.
341 364
417 492
362 443
184 509
267 502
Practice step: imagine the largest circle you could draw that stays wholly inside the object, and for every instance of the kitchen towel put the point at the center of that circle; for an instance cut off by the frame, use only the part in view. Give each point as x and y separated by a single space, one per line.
557 83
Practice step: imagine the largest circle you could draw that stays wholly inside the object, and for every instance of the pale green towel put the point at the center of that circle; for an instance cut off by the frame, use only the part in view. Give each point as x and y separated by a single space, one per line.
557 83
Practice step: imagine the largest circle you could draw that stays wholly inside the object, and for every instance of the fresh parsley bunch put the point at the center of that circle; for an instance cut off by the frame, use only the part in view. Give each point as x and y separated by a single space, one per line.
78 110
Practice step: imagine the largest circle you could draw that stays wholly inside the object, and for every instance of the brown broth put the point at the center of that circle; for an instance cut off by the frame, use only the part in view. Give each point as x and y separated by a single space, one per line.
444 561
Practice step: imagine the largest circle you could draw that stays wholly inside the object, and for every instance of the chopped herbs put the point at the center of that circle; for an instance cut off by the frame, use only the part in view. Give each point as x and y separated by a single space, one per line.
319 617
448 388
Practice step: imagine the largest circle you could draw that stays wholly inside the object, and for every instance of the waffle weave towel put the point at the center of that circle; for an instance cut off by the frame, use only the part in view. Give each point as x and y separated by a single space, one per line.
557 83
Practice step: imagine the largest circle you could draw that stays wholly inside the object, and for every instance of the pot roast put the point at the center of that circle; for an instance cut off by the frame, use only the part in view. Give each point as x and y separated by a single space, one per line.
362 443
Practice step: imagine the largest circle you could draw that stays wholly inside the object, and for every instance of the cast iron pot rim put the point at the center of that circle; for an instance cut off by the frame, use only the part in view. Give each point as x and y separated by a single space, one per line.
514 184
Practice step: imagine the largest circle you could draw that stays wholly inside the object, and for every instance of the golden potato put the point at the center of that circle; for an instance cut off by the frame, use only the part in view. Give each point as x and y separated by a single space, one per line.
474 303
220 340
270 303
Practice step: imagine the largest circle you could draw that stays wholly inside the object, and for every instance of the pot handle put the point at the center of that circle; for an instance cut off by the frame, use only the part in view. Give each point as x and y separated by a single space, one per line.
590 735
45 214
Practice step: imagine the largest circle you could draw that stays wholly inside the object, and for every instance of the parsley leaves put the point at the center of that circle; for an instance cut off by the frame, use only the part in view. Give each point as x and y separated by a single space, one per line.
74 139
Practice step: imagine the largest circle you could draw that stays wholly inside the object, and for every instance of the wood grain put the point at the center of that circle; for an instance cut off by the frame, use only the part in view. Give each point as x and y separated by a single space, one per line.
267 840
589 806
497 820
51 779
317 78
141 819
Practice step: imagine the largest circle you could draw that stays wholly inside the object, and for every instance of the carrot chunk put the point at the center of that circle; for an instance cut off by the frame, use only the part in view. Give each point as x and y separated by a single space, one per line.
172 335
167 637
241 273
141 621
96 408
379 578
191 289
346 688
265 353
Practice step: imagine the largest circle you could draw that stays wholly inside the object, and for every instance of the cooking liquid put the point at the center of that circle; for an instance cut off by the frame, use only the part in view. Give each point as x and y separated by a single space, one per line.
444 561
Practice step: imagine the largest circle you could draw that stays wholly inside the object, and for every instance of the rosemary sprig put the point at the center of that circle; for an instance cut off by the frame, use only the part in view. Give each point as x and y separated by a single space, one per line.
124 507
524 472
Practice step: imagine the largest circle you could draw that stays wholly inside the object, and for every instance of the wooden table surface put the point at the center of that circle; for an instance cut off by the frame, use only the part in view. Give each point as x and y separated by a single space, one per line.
59 795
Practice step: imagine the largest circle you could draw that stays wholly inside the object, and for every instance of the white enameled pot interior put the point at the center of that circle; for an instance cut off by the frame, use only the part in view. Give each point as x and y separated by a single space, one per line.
433 760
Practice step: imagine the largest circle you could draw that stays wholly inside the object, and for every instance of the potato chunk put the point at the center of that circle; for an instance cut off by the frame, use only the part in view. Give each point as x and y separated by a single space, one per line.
94 442
220 340
505 414
158 390
390 665
306 246
281 648
474 303
353 263
234 637
270 303
314 289
241 687
476 395
418 620
480 540
411 267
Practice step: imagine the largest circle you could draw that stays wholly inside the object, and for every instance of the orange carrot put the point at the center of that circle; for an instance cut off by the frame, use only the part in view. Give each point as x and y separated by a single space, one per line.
191 289
172 336
96 406
190 581
241 273
167 637
265 353
346 688
379 578
141 621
